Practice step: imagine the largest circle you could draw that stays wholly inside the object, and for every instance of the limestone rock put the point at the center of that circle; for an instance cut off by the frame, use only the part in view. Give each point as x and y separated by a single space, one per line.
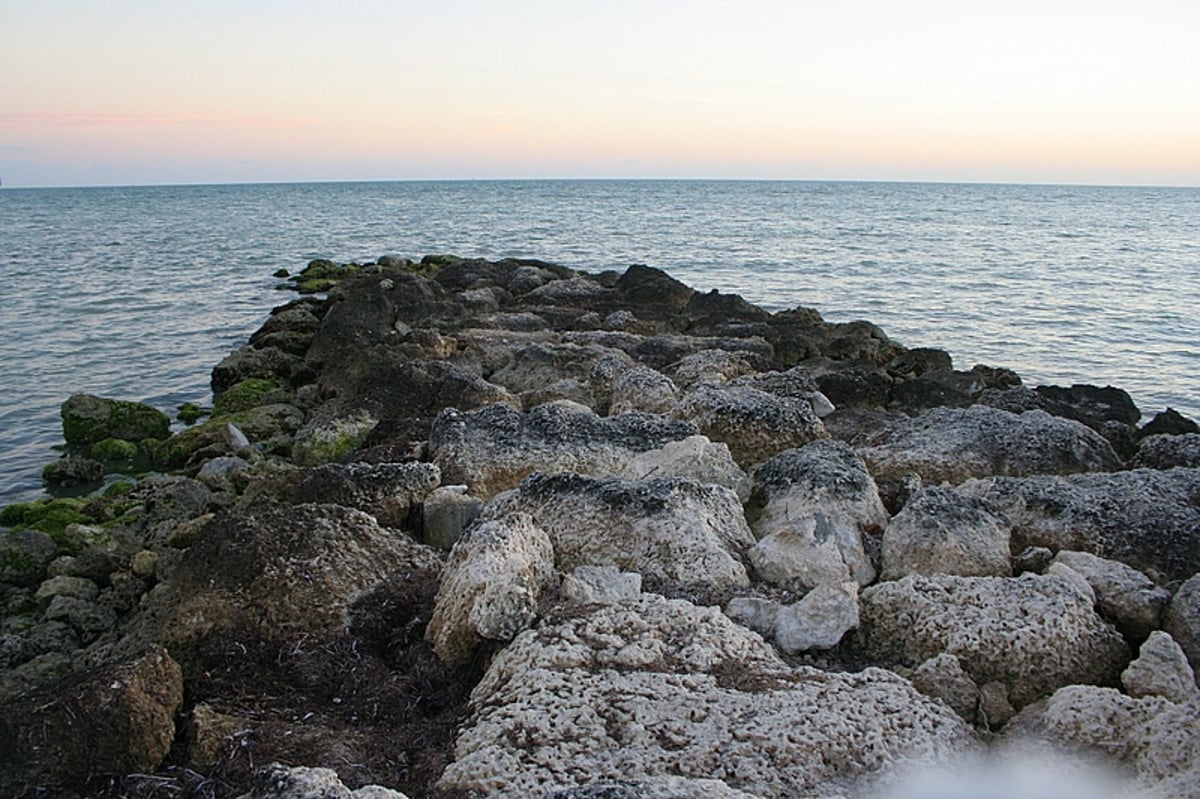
1033 633
810 507
756 425
819 620
277 781
1124 595
956 444
940 531
1182 620
657 688
490 586
942 677
109 720
1161 669
325 441
88 419
274 569
1146 519
670 530
796 383
589 585
643 389
1168 451
652 788
493 448
694 457
387 491
446 512
714 366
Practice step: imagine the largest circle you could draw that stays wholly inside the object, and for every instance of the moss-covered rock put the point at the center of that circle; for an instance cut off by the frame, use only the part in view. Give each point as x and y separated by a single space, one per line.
190 413
265 424
70 471
114 450
88 419
329 442
322 274
51 516
24 555
247 394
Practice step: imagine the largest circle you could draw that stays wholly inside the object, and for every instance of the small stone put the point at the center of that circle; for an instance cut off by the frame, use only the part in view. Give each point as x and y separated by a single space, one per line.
144 563
1032 559
1161 669
446 512
754 612
1124 595
942 676
601 585
995 709
820 619
75 587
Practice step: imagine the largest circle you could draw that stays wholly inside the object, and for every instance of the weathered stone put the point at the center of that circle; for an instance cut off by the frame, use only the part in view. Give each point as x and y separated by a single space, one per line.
810 507
660 688
756 425
249 362
942 677
1144 518
387 491
24 555
446 512
1077 580
1033 633
1182 620
277 781
274 569
493 448
694 457
1128 598
63 585
652 788
673 530
757 613
995 709
709 366
89 619
819 620
956 444
601 585
941 531
1170 422
1168 451
490 586
643 389
73 471
88 419
326 441
110 720
1161 669
1091 405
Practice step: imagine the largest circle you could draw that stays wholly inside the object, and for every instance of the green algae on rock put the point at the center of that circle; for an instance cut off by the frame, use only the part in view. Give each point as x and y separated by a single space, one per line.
88 419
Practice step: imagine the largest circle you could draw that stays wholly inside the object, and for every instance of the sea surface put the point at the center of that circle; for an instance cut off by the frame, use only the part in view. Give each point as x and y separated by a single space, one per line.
137 293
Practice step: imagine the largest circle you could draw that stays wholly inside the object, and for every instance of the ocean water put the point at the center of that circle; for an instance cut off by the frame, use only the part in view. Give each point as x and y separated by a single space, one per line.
138 292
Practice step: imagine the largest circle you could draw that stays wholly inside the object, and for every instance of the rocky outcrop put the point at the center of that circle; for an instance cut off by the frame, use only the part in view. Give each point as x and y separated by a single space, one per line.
1146 519
659 688
1031 634
953 445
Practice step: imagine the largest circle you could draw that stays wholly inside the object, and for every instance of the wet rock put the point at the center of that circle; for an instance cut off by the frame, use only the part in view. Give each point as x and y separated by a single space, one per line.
1168 451
810 507
73 471
941 531
1182 619
388 491
1146 519
1169 422
1161 669
277 781
490 586
956 444
1125 596
754 424
110 720
493 448
1091 405
662 682
670 530
88 419
942 388
250 362
1032 633
855 387
24 555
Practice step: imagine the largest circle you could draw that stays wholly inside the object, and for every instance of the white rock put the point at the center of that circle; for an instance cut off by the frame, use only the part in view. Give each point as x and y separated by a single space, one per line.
490 585
1124 595
940 531
1077 580
757 613
1161 669
641 388
801 557
695 457
601 585
819 619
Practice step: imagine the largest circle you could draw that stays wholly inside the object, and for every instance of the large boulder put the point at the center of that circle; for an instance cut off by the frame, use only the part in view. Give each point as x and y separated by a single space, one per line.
656 688
956 444
273 570
88 419
1125 596
490 587
755 424
810 507
109 720
1147 519
670 530
941 531
492 449
1032 634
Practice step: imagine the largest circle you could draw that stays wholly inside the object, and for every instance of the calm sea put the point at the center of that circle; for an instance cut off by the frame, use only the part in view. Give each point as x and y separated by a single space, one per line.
138 292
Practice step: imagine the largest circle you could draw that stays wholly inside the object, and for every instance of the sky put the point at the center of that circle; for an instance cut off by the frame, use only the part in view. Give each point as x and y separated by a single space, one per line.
1044 91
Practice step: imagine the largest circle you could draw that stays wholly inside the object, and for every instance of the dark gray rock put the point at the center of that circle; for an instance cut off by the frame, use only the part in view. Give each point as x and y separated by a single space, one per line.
387 491
1165 451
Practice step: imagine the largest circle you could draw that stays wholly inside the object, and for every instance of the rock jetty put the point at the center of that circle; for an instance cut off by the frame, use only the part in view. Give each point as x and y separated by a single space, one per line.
466 528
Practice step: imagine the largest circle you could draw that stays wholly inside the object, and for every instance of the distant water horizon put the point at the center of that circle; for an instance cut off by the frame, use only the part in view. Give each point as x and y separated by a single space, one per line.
138 291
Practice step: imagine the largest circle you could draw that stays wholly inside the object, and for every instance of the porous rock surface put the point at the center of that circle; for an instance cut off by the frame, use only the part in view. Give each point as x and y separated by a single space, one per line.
662 688
941 531
1147 519
1033 634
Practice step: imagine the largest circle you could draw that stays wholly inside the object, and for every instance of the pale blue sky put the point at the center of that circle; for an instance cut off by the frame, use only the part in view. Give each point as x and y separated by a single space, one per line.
1023 91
